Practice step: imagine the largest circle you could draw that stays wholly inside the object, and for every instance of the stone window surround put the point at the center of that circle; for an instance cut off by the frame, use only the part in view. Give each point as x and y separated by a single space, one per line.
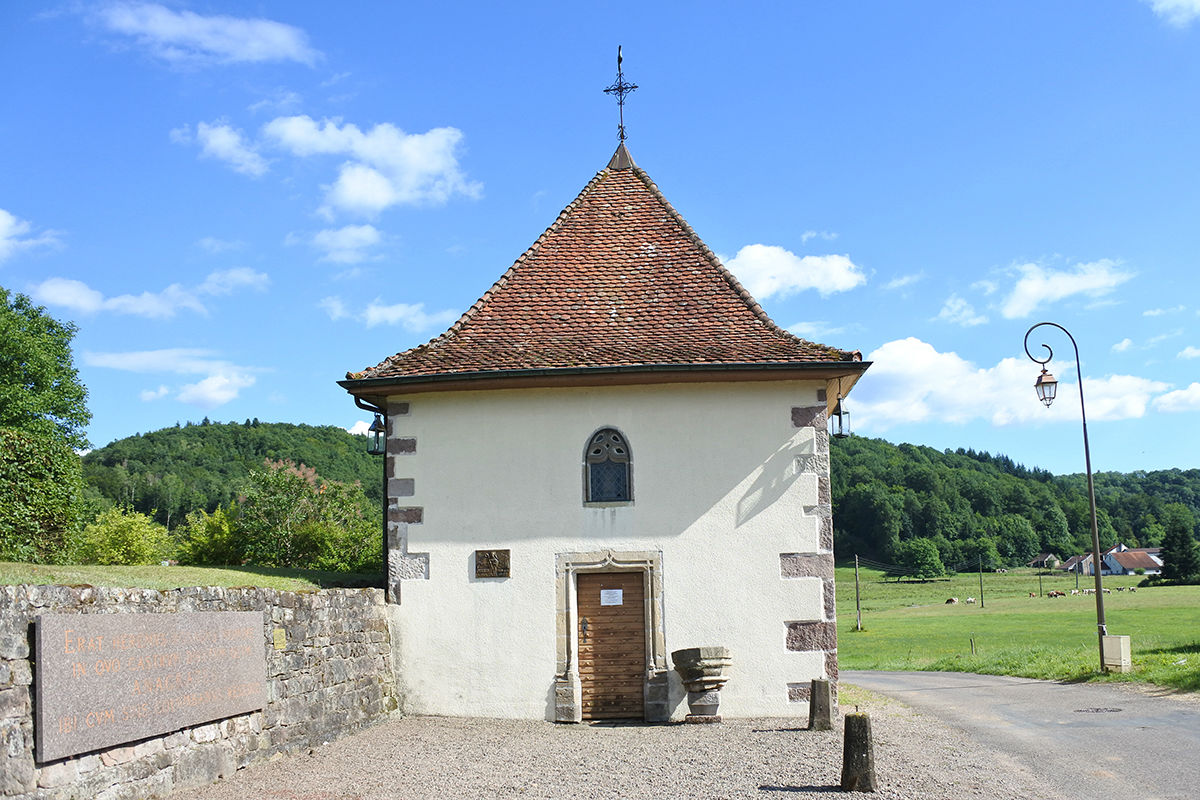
584 471
567 688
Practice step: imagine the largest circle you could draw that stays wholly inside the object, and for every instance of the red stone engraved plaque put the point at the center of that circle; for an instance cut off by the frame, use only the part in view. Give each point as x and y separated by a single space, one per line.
105 679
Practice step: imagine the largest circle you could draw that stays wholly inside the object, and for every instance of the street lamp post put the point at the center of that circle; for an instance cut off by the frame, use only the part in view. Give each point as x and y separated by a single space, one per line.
1046 387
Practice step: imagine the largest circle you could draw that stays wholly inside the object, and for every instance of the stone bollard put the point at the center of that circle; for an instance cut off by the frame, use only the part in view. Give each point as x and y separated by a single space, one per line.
702 671
858 755
820 706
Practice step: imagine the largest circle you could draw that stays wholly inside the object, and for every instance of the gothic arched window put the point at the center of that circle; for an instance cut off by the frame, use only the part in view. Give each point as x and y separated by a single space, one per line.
607 462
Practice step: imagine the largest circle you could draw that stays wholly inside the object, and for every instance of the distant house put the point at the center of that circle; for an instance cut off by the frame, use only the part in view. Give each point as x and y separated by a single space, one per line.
1128 562
1117 560
1045 561
1073 564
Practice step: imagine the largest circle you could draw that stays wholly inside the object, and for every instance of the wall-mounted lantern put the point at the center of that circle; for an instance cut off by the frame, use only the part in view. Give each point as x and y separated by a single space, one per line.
377 437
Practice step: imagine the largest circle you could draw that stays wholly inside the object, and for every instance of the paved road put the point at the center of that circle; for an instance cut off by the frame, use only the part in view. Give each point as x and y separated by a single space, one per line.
1086 741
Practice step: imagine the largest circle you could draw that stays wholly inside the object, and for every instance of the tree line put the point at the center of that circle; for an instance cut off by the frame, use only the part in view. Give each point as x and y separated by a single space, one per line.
917 507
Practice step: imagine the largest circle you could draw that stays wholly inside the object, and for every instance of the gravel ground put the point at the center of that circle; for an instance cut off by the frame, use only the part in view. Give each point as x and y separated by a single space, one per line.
916 757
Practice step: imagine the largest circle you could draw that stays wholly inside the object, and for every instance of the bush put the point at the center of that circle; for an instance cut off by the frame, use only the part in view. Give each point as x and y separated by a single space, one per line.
211 540
291 517
123 537
40 482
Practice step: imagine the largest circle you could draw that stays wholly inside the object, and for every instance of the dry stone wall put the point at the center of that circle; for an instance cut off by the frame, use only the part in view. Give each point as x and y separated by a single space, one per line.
329 673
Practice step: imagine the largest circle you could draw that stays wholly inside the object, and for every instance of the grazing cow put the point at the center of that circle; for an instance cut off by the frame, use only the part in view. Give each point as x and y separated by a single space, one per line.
1033 594
1074 592
1133 588
1055 593
970 601
953 601
1108 591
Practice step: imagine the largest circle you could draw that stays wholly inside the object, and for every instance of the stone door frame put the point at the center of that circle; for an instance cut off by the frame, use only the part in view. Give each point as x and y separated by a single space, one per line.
567 688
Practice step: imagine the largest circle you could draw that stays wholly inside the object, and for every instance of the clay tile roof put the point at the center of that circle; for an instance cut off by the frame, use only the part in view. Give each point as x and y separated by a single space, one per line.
619 280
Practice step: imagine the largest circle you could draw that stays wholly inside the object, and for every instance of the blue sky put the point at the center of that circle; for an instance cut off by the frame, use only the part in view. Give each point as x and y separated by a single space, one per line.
238 202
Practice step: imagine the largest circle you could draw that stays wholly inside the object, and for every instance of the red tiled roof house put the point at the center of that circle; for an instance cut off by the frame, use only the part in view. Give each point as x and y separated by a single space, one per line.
612 455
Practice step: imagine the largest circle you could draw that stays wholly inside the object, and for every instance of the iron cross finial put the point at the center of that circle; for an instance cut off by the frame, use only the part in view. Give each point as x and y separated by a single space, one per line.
620 88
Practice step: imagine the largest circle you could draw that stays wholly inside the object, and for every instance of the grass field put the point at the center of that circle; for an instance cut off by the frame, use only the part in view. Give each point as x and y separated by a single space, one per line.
909 626
296 580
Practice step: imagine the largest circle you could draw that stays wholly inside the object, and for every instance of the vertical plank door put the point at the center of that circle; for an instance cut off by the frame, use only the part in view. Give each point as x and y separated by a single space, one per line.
612 644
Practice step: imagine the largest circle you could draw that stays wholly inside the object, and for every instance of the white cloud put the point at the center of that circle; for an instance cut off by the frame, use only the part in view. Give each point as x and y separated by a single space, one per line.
815 331
79 297
1189 352
14 236
903 280
216 246
1162 337
1039 285
1158 312
959 312
768 271
224 143
1180 400
387 167
360 428
410 317
985 286
346 245
908 382
188 37
1123 345
1179 13
223 282
221 382
334 307
281 100
150 395
829 237
215 390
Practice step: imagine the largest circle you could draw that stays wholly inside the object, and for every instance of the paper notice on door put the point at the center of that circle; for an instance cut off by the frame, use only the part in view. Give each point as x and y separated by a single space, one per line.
611 597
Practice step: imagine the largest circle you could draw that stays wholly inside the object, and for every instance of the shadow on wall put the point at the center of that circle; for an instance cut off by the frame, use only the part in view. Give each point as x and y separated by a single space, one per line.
777 474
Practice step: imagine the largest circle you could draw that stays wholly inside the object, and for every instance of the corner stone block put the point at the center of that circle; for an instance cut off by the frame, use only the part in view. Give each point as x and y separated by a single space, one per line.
808 416
831 668
401 446
405 515
806 565
799 692
829 589
811 636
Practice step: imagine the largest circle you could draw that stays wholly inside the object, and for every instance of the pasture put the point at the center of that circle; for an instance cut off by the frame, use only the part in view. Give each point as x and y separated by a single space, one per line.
909 626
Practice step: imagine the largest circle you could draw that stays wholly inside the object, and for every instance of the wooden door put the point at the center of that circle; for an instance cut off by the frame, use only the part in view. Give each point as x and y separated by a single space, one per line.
611 626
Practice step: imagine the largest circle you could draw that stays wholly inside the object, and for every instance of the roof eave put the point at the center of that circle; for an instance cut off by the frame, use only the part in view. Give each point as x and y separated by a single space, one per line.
636 373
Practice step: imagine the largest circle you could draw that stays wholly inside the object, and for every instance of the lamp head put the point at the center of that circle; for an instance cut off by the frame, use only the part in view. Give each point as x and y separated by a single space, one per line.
377 437
1046 387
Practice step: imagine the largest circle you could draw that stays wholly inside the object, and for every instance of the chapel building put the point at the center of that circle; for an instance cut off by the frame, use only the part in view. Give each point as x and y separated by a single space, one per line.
612 455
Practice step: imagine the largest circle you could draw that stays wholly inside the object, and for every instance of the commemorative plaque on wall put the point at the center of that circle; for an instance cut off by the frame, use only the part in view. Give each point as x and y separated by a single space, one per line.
106 679
492 563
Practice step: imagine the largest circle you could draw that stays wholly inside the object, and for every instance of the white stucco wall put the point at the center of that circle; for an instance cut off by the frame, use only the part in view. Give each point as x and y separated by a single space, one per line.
716 490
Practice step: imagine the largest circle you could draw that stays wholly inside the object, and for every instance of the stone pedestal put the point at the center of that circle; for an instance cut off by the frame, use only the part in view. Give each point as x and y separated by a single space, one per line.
702 671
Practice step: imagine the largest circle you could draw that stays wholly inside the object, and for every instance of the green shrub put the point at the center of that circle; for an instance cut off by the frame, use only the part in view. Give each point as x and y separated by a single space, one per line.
211 539
122 536
40 484
291 517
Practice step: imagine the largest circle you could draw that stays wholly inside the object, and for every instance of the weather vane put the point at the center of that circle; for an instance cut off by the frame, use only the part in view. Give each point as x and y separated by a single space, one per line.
620 89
